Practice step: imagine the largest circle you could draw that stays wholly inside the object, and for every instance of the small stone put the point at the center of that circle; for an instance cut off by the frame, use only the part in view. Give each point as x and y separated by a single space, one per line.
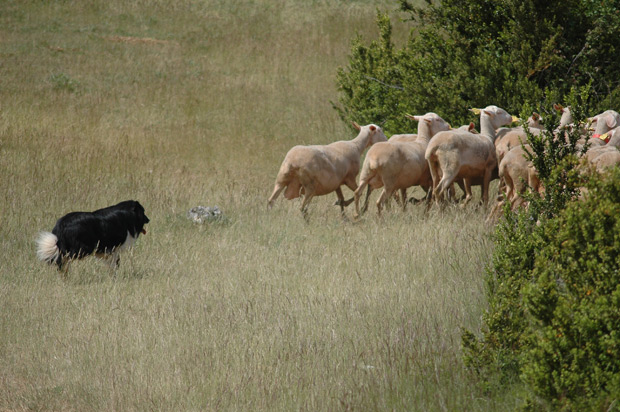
202 214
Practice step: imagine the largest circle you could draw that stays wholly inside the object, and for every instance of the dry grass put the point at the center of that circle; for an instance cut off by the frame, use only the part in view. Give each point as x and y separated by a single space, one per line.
192 103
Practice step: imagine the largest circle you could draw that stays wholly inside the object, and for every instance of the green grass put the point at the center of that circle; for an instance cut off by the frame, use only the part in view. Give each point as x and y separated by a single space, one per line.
190 103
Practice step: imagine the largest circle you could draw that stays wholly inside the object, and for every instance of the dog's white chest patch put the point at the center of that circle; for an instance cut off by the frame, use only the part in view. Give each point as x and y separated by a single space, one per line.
129 241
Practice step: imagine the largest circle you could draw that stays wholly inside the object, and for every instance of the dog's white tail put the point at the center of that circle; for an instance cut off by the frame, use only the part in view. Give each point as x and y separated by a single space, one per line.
47 248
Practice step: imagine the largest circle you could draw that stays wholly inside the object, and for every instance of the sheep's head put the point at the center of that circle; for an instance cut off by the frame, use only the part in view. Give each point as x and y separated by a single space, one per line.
375 134
605 121
567 117
498 116
535 121
432 121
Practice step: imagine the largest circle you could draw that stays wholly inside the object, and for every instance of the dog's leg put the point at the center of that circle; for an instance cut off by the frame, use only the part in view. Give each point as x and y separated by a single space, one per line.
63 266
114 260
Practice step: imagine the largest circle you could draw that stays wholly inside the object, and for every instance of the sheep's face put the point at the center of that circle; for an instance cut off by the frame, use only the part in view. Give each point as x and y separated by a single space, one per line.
535 121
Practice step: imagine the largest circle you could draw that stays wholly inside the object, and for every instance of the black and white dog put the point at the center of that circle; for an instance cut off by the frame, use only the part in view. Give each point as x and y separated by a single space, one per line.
104 233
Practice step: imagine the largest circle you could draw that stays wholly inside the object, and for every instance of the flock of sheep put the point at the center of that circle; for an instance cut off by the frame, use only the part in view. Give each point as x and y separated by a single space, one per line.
435 159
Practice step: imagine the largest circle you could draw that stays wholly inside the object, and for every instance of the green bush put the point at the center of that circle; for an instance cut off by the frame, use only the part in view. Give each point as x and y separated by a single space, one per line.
472 53
572 303
553 321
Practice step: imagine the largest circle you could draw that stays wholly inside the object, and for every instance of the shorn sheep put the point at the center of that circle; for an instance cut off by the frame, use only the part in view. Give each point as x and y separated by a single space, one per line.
466 155
402 138
321 169
399 165
518 173
517 136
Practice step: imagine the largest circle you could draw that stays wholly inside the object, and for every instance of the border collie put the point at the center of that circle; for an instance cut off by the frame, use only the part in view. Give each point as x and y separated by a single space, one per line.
104 233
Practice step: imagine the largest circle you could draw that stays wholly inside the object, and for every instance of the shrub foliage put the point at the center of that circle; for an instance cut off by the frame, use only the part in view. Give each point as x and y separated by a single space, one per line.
553 321
472 53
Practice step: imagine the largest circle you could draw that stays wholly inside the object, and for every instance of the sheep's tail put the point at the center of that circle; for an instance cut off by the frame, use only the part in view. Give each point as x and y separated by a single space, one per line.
47 247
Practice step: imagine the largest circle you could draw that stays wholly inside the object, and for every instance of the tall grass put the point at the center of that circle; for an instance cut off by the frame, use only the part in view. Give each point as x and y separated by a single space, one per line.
177 104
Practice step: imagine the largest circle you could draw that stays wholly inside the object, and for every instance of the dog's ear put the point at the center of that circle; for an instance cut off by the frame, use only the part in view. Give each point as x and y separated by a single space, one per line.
137 207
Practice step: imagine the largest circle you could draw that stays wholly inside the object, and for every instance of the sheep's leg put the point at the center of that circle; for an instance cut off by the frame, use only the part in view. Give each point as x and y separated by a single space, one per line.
388 199
467 190
344 203
461 184
367 200
495 212
501 188
485 186
509 187
357 194
444 184
351 184
309 194
403 195
340 200
435 177
381 201
276 192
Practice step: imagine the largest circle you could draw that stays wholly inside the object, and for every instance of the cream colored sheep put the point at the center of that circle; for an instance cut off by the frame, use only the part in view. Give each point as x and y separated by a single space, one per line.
603 157
606 160
411 137
466 155
399 165
406 138
517 136
321 169
518 173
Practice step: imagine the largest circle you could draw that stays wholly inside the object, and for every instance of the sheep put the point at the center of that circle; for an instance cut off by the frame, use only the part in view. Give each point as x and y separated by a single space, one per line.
606 160
517 136
518 173
603 157
406 138
606 124
399 165
403 138
321 169
466 155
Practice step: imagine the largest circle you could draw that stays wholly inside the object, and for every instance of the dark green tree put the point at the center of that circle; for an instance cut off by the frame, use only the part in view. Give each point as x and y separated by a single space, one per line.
472 53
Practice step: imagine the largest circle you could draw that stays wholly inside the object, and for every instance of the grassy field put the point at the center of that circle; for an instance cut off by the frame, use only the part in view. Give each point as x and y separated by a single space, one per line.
196 103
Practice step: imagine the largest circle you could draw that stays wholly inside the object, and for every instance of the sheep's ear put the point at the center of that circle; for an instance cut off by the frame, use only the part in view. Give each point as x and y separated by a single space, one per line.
611 122
471 126
475 111
417 118
558 107
357 126
535 116
372 128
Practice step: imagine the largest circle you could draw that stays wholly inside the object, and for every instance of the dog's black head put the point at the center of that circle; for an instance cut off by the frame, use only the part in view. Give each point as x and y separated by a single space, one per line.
141 218
133 211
